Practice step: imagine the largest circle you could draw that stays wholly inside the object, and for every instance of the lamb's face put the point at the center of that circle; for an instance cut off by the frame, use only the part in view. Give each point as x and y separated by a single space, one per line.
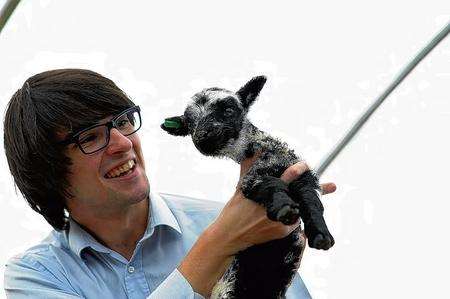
214 119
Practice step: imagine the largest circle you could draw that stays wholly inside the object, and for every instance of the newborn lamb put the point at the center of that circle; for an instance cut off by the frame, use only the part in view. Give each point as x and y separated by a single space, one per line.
217 121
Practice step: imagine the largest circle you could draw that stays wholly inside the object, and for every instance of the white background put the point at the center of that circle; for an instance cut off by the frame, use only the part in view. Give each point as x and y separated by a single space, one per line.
325 62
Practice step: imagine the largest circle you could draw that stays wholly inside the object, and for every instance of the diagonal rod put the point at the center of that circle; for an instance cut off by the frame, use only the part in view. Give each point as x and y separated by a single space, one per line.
363 119
6 12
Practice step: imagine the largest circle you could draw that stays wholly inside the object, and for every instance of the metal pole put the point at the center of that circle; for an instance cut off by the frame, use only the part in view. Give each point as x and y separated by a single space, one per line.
6 12
363 119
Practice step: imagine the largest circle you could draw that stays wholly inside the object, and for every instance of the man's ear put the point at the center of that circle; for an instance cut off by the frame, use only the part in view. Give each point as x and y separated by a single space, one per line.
250 91
175 125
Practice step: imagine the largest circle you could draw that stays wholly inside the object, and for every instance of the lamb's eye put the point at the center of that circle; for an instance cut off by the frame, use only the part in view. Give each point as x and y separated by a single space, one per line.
229 112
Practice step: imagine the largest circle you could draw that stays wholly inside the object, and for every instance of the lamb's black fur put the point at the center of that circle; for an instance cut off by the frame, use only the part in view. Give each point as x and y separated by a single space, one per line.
217 121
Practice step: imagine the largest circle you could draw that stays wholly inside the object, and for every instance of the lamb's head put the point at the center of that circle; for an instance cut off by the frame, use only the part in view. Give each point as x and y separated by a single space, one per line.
215 116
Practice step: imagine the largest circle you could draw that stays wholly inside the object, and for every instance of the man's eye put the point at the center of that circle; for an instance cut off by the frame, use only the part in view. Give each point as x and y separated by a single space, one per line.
123 123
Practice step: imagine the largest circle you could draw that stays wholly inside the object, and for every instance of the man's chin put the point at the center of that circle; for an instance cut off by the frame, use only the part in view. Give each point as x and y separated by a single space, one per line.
139 194
133 195
144 196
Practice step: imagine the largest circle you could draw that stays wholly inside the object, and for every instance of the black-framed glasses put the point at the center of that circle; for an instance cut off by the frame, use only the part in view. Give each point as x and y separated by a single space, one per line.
96 137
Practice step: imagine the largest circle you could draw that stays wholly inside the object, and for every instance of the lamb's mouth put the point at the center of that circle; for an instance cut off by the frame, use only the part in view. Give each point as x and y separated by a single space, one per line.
122 170
210 146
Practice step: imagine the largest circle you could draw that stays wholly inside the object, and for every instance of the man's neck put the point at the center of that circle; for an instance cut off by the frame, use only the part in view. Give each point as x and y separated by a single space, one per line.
119 232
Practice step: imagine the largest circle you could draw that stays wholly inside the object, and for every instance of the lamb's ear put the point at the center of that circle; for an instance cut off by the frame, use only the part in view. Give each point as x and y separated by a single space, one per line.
175 125
250 91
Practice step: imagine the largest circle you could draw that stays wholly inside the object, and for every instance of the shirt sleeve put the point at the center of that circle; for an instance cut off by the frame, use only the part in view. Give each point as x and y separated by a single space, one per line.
175 286
26 278
297 289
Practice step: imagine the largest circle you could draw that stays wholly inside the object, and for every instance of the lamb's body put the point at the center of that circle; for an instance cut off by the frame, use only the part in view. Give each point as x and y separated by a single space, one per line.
217 121
266 270
263 271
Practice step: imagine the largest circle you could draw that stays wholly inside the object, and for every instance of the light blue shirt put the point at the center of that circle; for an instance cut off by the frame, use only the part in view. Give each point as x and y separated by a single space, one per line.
74 265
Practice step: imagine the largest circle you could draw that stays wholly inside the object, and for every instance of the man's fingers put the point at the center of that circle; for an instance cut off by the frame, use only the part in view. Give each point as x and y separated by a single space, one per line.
289 175
328 188
294 172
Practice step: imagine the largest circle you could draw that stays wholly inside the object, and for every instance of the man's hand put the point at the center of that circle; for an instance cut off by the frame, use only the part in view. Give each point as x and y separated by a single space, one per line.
288 175
298 169
241 224
244 223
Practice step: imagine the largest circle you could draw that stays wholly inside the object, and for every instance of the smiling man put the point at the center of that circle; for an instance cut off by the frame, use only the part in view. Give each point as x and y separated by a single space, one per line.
73 150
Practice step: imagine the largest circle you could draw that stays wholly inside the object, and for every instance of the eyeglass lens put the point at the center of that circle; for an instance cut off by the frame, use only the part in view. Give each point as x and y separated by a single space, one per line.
97 137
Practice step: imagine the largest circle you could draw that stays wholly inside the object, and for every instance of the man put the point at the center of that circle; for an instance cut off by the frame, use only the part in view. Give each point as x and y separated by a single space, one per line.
72 148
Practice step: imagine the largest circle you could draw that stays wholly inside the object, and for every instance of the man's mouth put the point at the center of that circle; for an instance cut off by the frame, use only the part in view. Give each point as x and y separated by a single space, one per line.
121 170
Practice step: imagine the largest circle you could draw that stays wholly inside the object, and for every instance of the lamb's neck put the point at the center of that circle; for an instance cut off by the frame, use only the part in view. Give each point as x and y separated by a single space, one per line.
236 149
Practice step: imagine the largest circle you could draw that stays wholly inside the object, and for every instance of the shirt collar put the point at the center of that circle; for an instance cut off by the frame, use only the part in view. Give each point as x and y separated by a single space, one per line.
159 215
79 239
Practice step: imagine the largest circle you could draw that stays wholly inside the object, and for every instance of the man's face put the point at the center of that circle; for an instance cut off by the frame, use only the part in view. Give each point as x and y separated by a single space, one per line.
94 178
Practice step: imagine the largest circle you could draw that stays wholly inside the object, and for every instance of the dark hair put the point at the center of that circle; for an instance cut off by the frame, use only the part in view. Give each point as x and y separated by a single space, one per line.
47 107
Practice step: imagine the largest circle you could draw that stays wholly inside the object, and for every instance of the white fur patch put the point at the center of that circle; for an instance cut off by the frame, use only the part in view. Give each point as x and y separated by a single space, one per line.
224 288
235 148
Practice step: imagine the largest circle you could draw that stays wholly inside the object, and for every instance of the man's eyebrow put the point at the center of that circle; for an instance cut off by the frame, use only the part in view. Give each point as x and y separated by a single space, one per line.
83 126
89 124
96 123
77 129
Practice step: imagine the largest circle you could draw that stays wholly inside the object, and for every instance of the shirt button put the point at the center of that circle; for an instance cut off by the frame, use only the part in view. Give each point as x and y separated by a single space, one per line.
130 269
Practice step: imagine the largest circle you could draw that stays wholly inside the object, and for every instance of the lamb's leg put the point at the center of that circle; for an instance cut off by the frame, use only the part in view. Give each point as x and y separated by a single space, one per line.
304 191
272 193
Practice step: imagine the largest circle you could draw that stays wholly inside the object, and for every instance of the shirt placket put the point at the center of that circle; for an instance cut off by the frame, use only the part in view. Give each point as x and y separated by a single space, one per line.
135 283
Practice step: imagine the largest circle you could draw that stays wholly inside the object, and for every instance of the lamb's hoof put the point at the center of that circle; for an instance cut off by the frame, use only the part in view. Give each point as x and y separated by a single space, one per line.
288 214
322 242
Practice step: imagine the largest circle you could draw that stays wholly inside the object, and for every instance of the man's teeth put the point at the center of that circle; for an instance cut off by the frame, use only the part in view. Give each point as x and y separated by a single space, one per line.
121 169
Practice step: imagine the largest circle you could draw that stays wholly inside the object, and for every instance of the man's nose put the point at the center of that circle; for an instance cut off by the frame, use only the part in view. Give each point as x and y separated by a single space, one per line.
118 143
